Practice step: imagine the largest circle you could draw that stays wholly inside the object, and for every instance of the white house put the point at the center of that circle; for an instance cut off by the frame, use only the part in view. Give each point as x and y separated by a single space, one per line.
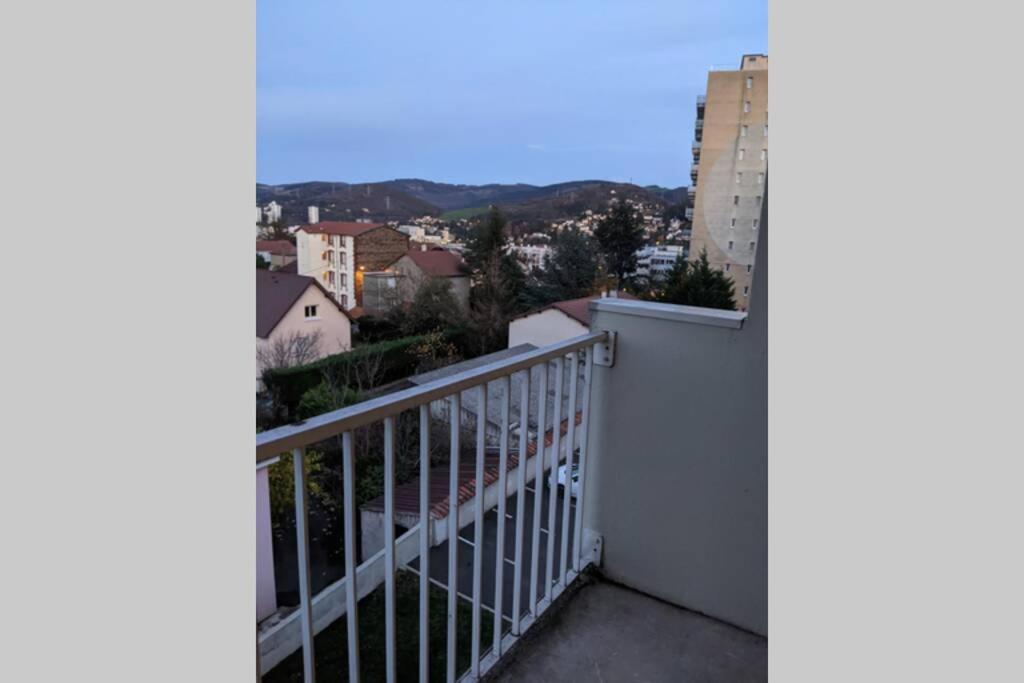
555 322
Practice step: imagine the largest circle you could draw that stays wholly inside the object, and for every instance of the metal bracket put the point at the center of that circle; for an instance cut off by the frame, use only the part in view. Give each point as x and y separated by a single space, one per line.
604 353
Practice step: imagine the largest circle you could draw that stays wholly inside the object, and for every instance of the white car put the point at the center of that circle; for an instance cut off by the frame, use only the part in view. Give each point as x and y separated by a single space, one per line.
575 490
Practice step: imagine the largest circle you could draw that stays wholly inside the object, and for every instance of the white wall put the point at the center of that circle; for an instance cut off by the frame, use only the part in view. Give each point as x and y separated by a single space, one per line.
543 328
335 327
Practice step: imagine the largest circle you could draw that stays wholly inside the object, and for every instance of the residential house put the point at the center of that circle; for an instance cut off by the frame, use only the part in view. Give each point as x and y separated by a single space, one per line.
554 322
278 253
339 254
419 265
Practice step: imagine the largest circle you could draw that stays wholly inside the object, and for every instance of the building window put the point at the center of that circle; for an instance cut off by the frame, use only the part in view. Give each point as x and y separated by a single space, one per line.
751 246
330 277
341 259
344 300
730 244
746 107
743 131
746 291
727 266
733 223
766 130
310 312
760 178
759 200
743 153
344 279
750 82
754 224
735 200
764 154
323 256
749 268
739 177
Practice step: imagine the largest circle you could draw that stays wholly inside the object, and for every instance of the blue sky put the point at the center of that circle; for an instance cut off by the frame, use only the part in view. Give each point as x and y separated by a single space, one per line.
489 91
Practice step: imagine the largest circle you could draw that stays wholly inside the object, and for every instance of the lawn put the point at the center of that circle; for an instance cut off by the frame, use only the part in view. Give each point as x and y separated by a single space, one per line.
331 644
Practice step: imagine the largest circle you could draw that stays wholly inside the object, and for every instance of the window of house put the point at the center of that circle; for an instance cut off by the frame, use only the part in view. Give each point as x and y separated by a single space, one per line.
330 276
733 223
735 200
746 107
749 268
766 130
323 256
751 246
760 178
727 266
344 279
341 258
750 82
344 300
743 131
759 200
743 153
310 312
746 291
764 154
739 177
754 224
730 244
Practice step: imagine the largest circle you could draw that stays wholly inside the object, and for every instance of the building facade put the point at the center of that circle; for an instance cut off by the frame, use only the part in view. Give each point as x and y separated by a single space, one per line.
656 262
730 163
339 254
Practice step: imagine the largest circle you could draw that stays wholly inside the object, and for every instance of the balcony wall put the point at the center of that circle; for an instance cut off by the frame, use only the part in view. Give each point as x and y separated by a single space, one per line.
677 478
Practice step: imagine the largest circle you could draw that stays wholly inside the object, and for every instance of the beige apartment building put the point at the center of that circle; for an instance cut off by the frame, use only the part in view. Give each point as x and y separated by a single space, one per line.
730 162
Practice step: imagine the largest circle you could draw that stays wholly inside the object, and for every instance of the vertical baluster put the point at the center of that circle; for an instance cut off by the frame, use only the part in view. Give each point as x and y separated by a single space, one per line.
584 424
305 579
556 445
453 533
348 464
424 543
538 486
567 492
499 559
524 431
478 522
389 547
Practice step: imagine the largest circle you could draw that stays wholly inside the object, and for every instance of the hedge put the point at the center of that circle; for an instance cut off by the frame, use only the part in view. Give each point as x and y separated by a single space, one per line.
289 384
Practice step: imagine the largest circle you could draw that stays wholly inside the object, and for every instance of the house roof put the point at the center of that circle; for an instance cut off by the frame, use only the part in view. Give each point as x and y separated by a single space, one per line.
276 292
577 309
279 247
436 262
346 228
407 496
292 267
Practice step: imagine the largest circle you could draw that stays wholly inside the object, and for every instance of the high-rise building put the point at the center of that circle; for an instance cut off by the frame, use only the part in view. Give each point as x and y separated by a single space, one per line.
730 162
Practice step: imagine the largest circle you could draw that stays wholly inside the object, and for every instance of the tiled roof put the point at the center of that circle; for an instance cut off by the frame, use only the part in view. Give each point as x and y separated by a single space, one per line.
577 309
276 292
347 228
437 262
279 247
407 496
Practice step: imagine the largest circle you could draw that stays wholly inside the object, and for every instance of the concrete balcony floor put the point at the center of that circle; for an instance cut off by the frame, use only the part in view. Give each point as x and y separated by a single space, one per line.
605 632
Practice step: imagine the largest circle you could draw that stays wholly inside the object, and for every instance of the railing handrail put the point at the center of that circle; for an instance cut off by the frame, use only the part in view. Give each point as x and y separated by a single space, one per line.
273 442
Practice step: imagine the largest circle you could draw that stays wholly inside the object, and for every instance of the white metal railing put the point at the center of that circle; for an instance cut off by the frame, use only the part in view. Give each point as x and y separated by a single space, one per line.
342 597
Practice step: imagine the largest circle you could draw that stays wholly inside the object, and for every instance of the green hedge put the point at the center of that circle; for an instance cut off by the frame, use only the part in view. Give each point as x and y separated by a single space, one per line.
289 384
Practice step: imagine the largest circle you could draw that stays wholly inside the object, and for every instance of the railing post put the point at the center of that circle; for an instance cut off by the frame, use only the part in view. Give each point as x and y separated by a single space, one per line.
352 606
524 437
556 447
584 429
453 533
567 491
424 543
478 523
305 579
538 486
499 560
389 548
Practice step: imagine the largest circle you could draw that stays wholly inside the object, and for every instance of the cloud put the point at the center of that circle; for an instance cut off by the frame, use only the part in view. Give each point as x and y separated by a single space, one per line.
534 146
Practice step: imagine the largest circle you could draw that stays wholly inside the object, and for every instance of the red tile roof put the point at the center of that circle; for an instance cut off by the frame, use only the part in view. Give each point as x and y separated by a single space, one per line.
577 309
347 228
279 247
407 496
437 262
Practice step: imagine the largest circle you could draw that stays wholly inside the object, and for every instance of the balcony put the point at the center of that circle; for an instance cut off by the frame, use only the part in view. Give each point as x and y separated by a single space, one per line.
693 171
691 192
701 101
616 480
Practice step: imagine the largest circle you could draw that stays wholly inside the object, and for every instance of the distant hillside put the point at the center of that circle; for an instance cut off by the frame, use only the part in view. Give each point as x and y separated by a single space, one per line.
403 199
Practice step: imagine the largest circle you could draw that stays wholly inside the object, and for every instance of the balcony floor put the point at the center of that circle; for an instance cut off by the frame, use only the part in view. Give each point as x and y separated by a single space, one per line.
609 633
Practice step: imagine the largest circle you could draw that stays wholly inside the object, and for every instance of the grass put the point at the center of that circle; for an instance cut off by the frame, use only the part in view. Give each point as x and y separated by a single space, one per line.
458 214
331 644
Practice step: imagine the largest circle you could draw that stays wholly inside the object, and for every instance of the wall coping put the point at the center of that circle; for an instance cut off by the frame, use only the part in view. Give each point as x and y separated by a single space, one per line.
675 313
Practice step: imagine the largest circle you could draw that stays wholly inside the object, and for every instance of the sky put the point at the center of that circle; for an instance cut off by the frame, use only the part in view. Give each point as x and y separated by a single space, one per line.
489 91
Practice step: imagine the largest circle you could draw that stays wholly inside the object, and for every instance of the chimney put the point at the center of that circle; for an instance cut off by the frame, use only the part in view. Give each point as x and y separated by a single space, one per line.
314 215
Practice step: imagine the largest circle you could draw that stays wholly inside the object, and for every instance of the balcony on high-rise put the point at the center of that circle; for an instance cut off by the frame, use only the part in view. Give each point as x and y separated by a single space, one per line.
605 495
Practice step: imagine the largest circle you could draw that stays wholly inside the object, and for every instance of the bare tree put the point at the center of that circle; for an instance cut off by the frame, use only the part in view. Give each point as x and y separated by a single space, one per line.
289 350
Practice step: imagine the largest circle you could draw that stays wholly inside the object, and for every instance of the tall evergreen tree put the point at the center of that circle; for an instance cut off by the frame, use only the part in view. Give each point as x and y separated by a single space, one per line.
498 282
620 235
698 284
569 272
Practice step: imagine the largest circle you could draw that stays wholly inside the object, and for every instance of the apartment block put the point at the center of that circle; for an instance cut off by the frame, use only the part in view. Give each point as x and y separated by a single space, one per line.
730 163
339 255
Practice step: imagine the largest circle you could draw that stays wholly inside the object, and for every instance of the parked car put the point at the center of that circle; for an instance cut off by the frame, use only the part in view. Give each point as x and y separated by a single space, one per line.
574 491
